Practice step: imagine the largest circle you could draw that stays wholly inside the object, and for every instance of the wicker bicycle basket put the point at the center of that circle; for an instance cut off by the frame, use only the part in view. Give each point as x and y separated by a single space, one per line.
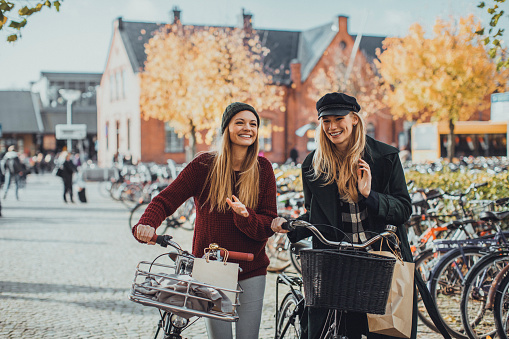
354 281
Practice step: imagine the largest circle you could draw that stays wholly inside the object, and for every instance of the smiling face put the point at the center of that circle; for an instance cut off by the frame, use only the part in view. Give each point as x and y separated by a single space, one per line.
339 128
243 129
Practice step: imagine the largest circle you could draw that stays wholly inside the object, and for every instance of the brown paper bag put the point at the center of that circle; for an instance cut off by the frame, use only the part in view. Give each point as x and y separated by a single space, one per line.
397 320
217 273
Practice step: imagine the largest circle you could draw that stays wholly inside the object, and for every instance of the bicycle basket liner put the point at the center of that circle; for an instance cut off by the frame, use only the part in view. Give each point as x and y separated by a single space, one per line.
181 294
354 281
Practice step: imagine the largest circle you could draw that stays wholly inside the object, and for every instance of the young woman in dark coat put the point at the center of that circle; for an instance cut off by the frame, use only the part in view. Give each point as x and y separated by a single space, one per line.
357 185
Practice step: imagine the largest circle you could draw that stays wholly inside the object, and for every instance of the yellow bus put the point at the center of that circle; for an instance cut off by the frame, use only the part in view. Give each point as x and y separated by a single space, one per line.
472 138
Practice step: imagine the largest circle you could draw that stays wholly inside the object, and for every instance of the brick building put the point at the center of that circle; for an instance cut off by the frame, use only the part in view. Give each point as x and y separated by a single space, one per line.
296 57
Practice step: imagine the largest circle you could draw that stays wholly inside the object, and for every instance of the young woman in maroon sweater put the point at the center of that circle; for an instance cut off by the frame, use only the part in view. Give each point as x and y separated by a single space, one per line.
235 196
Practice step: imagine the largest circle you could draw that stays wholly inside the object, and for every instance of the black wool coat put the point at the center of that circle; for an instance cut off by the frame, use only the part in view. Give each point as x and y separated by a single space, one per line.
388 203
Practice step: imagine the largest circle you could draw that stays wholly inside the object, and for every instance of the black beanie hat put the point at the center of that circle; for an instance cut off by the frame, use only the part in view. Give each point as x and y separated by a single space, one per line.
233 109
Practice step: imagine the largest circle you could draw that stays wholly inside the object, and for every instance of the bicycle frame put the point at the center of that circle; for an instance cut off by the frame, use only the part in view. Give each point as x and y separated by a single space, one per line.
292 282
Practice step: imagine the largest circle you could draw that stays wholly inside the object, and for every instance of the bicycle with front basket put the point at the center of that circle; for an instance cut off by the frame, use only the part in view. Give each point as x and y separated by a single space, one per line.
181 300
292 308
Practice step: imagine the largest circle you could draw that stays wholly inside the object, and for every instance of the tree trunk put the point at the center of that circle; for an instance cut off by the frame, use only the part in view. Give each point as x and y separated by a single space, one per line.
191 148
452 143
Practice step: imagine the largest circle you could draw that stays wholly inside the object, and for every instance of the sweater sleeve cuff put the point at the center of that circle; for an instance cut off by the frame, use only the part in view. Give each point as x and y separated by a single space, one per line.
372 201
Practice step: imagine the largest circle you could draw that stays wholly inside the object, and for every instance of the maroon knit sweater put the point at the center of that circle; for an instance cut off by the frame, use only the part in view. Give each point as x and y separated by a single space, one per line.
229 230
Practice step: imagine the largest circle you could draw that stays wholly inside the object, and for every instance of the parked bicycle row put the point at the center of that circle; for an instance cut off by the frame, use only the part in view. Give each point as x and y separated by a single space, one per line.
353 187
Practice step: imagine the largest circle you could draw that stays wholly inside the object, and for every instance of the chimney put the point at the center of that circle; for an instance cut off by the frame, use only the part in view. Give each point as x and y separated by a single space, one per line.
295 73
118 23
248 22
176 15
342 23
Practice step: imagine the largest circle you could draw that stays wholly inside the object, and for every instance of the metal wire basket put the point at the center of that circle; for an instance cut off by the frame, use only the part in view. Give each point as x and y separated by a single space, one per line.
354 281
180 294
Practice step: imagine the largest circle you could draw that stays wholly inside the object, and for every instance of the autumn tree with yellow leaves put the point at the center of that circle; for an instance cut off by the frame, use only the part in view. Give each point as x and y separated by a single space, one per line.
448 76
192 74
356 77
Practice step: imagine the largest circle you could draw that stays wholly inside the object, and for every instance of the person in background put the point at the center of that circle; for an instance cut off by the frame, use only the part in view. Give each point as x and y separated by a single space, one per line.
69 169
13 170
2 180
234 190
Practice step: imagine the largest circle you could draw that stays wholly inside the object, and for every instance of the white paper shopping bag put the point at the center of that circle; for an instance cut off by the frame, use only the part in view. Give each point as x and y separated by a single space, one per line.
217 273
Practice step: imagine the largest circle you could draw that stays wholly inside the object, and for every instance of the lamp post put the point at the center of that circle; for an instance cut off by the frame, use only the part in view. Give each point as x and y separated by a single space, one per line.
69 95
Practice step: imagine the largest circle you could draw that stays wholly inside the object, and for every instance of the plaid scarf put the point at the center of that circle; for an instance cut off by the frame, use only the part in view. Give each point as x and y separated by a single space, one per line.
353 216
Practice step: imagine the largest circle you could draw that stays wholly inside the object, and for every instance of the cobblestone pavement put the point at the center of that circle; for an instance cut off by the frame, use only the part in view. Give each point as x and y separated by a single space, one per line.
66 269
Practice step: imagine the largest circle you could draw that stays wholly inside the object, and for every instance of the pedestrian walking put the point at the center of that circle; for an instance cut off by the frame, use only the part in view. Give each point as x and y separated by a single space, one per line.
235 197
68 169
13 170
2 180
357 185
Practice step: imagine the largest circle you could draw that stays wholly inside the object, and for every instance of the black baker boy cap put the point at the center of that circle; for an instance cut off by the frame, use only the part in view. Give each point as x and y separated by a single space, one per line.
336 104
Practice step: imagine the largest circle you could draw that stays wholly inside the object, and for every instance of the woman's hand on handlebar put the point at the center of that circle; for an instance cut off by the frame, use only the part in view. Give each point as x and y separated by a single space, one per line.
145 233
276 225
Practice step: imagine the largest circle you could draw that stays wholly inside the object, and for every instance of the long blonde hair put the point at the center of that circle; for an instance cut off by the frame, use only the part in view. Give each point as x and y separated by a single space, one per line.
221 176
335 166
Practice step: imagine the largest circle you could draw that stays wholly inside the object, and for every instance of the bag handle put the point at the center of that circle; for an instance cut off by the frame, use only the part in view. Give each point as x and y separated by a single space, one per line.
212 249
396 253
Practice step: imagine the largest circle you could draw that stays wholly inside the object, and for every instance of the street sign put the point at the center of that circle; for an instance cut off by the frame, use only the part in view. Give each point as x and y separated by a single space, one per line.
500 106
75 131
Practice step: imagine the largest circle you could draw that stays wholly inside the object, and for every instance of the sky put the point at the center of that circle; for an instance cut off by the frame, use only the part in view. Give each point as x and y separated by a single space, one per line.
77 38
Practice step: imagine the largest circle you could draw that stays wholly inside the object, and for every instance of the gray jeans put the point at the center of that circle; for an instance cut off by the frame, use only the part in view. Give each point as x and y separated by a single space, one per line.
249 311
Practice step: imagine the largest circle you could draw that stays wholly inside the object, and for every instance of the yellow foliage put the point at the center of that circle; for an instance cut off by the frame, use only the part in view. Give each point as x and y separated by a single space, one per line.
446 77
362 82
193 73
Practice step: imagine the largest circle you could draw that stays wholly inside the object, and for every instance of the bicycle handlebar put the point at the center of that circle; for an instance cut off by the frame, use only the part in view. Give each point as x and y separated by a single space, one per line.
165 240
239 255
291 225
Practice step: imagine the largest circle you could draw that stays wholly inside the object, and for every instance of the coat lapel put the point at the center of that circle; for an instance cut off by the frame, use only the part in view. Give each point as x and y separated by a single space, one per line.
326 197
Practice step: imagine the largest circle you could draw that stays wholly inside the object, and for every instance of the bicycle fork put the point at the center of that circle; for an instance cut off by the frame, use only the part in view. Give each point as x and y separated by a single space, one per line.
170 331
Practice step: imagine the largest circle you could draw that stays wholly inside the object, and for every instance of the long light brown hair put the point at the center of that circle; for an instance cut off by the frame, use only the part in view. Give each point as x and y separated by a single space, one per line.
221 176
336 166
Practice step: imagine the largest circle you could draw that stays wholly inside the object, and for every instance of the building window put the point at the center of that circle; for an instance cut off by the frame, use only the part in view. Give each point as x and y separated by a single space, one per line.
118 136
265 135
370 130
173 143
129 134
106 130
117 85
310 135
112 87
124 73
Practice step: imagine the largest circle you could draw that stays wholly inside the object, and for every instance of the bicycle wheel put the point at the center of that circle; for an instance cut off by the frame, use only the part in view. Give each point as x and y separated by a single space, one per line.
131 195
288 323
423 265
445 286
278 251
478 321
294 258
104 189
187 215
136 214
501 308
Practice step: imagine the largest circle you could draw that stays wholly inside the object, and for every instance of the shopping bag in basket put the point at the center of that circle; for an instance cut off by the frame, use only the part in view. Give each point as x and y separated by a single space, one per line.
397 320
217 273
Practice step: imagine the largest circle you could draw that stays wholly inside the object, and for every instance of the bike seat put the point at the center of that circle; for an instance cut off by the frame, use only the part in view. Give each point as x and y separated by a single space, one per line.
296 247
493 216
454 224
